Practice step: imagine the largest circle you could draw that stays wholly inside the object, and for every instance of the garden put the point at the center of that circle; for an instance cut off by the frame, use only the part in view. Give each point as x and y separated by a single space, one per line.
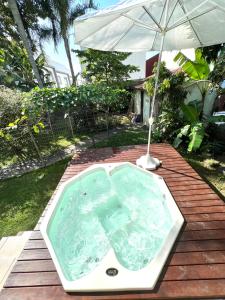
39 122
42 122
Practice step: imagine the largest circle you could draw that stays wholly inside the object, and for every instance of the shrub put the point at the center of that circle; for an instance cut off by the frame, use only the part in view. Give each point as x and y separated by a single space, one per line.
10 105
97 97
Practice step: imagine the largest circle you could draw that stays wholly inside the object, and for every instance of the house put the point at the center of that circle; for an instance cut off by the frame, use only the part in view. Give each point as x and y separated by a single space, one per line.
58 73
137 59
141 98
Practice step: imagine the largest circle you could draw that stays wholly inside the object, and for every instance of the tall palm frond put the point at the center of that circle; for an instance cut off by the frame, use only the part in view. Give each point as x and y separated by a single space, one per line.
80 10
61 14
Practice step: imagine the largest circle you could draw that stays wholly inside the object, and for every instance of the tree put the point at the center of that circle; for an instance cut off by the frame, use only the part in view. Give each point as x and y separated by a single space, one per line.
218 73
103 66
212 53
15 68
61 14
17 17
197 69
196 114
30 13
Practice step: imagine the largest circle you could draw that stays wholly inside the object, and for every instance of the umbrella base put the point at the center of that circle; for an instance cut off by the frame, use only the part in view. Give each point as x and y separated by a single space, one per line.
148 162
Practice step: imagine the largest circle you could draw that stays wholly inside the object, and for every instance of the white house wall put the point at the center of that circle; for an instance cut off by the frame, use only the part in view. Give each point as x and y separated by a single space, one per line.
137 102
146 109
146 105
195 92
139 60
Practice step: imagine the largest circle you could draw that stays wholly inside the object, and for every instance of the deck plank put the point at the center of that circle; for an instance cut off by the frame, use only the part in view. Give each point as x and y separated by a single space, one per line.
196 265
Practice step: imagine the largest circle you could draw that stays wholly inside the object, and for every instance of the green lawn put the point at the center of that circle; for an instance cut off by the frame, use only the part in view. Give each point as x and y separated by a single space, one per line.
23 199
131 136
209 170
47 147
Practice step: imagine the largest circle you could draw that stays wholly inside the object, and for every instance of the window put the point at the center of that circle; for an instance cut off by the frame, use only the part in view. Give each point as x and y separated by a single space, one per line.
59 79
66 81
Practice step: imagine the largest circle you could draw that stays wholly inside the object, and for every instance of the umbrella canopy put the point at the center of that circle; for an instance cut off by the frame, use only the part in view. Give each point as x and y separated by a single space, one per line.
136 25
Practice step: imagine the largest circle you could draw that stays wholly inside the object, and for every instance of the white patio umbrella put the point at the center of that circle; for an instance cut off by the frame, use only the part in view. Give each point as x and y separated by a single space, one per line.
137 25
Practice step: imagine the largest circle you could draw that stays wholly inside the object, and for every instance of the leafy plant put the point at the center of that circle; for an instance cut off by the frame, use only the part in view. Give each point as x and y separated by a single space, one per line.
21 123
194 130
218 73
170 95
170 92
107 67
10 105
215 119
98 97
61 14
197 69
16 70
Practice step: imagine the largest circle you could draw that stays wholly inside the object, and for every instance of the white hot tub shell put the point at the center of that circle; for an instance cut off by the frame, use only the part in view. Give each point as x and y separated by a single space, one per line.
108 273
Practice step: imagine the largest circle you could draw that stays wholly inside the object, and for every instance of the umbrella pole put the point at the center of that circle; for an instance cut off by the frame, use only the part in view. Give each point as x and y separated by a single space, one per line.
147 161
151 119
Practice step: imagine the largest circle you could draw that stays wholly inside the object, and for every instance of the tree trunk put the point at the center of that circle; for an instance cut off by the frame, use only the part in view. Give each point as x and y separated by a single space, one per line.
16 15
67 48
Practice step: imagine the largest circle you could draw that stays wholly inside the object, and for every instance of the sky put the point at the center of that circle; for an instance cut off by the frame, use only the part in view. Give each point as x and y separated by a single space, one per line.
59 55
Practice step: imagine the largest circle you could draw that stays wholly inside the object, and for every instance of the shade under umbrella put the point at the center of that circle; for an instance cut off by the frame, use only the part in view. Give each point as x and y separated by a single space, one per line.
137 25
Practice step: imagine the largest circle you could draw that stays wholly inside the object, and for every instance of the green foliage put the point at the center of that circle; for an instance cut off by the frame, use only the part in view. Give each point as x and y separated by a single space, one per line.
131 136
10 105
61 14
194 130
191 112
21 125
16 70
18 120
98 97
102 66
24 198
211 53
170 95
163 85
218 74
30 12
166 125
170 92
197 69
196 136
214 119
196 126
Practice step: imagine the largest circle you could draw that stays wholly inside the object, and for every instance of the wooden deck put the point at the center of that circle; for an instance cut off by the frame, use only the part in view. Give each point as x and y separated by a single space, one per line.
196 266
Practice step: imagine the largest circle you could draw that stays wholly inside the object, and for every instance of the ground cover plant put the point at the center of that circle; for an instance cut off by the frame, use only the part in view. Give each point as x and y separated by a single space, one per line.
23 199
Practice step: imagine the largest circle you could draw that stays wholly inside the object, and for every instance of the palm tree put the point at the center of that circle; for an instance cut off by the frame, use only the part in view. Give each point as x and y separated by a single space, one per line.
61 14
17 17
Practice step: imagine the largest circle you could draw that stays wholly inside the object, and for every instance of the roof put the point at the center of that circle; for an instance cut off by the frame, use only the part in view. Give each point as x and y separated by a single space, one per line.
57 66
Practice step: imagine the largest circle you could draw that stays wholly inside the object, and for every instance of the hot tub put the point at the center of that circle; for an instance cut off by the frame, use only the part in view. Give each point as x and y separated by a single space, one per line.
111 228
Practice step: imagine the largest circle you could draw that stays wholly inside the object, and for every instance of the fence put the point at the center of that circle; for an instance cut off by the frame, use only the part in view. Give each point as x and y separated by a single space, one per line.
61 130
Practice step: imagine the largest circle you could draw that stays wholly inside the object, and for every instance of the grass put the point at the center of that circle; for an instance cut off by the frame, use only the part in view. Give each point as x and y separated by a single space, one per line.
210 170
23 199
131 136
47 147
